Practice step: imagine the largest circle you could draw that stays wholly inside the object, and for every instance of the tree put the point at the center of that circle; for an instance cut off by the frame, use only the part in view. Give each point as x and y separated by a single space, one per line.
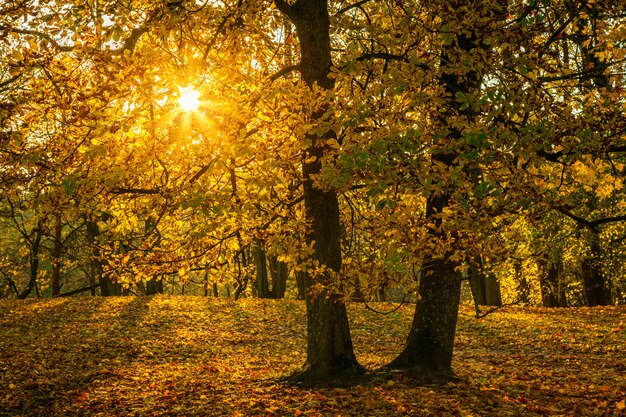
429 346
329 346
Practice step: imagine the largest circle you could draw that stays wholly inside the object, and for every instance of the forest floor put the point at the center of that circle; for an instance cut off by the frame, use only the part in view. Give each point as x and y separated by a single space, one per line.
191 356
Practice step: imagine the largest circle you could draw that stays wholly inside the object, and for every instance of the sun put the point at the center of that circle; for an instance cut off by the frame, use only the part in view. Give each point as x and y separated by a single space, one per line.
189 99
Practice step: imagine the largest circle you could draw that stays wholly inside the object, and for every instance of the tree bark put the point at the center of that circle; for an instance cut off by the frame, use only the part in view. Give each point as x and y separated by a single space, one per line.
329 345
301 283
154 286
427 354
493 291
485 286
107 286
597 292
280 272
34 262
478 285
552 291
57 251
261 283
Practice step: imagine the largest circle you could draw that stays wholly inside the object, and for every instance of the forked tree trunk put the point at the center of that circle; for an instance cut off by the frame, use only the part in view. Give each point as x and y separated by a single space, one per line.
329 345
478 285
485 286
493 291
301 284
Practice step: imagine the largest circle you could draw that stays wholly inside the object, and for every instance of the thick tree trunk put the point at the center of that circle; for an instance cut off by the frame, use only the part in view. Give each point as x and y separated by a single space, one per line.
485 287
427 354
493 291
261 283
552 291
154 286
597 292
478 285
280 272
329 345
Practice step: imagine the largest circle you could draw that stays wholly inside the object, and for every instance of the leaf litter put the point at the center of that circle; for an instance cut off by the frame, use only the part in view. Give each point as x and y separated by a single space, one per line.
192 356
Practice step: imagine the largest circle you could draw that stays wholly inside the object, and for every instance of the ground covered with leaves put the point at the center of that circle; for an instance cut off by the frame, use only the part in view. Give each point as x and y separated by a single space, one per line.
190 356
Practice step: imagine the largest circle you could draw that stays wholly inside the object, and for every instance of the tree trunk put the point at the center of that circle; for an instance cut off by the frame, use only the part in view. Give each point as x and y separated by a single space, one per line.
154 286
485 287
34 263
301 283
427 354
329 345
478 285
552 290
57 251
107 286
492 290
261 283
597 292
280 272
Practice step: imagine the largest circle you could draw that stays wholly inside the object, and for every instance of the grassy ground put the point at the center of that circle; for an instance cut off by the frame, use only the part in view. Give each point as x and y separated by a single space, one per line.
188 356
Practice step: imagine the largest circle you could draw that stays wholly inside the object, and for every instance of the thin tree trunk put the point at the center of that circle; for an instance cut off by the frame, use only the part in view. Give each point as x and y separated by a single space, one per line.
107 286
57 250
34 263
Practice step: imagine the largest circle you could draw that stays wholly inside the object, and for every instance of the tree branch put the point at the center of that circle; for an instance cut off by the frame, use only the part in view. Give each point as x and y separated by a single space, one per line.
284 71
351 6
144 191
287 9
576 218
10 80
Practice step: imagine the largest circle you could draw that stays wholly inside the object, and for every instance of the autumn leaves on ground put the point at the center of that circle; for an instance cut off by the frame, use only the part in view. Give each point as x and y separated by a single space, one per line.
188 356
